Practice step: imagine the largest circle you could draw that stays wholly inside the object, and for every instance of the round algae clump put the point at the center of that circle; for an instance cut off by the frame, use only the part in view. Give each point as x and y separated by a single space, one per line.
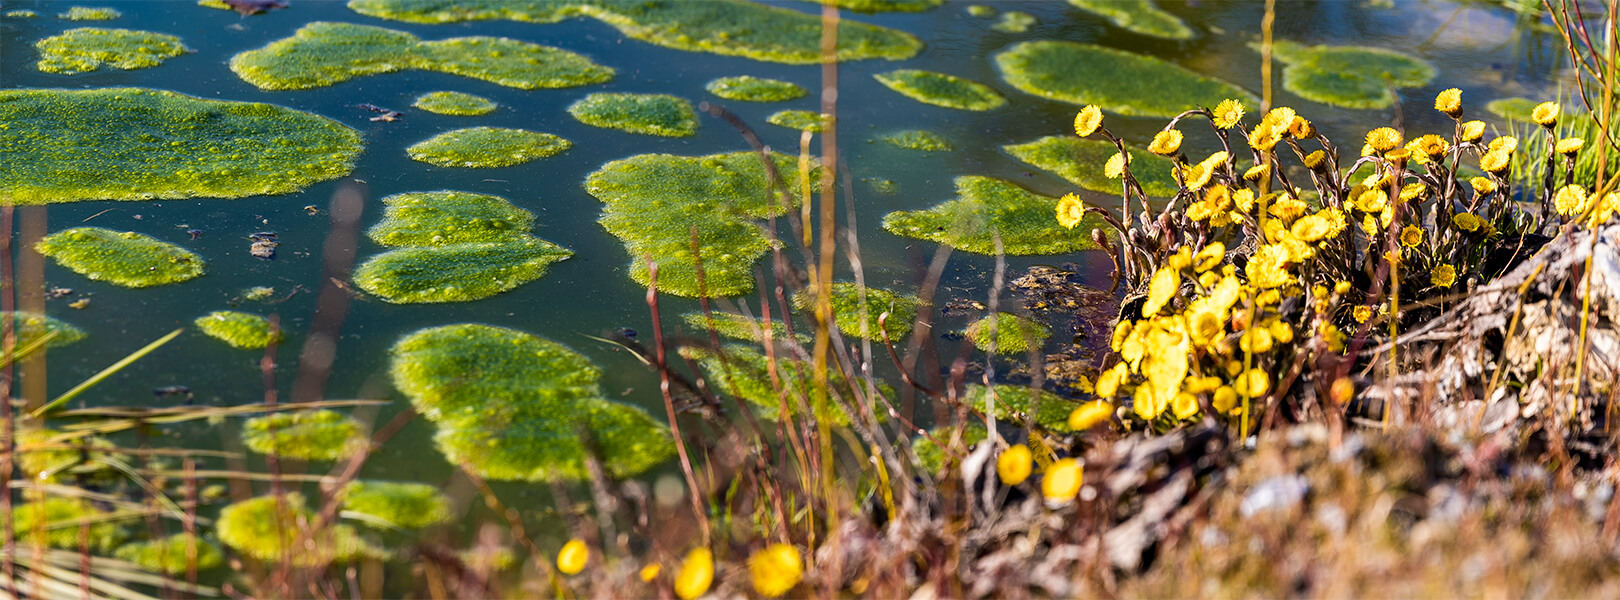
747 88
449 217
457 272
657 203
169 555
1014 22
88 48
30 327
513 406
321 54
403 505
1350 76
726 27
487 147
1138 16
803 120
275 528
651 114
1118 81
82 13
128 259
1011 334
919 139
21 14
745 372
940 89
985 208
454 103
306 435
846 305
239 329
1081 162
1016 403
139 144
931 457
54 522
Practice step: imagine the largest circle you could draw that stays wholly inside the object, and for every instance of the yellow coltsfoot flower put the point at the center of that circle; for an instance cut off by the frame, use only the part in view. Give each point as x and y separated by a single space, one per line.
573 556
1570 200
1443 276
1013 466
1115 167
695 575
1090 415
1411 236
1570 146
776 569
1471 131
1384 139
1061 482
1228 113
1449 102
1070 210
1087 120
1546 114
1165 143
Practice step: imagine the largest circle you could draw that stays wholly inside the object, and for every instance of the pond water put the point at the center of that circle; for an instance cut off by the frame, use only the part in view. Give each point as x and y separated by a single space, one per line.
1477 47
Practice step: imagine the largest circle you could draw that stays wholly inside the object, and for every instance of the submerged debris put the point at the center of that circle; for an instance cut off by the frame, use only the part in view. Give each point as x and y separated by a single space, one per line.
245 8
264 244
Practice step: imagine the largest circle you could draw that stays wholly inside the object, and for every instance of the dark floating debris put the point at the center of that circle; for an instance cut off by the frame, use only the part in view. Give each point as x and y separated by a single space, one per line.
264 244
246 8
173 391
194 233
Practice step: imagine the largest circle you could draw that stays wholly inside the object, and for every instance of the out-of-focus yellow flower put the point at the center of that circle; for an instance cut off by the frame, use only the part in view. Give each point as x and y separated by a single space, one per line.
650 572
1449 102
1184 406
1384 139
1603 209
1341 287
1087 120
1224 399
1090 414
1228 113
778 568
1342 391
1255 340
1210 257
1070 210
1267 268
1570 146
1165 143
1467 222
1301 129
1570 200
1281 332
1115 167
1204 325
1545 114
695 575
1443 276
1482 185
1161 290
573 556
1495 161
1061 482
1335 339
1014 464
1182 259
1472 131
1411 236
1362 313
1315 159
1252 383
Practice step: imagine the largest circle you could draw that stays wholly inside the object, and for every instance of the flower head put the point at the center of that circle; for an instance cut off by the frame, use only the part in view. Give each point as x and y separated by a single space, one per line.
1472 131
1570 146
650 572
695 575
1362 313
1087 120
1013 466
1315 159
1228 113
1495 161
1070 210
1165 143
1090 414
1268 267
1115 167
1482 185
778 568
1279 118
1210 257
1301 129
1430 145
1372 201
573 556
1161 290
1545 114
1412 191
1196 176
1264 137
1411 236
1443 276
1506 143
1184 406
1062 480
1449 102
1570 200
1467 222
1384 139
1310 228
1257 172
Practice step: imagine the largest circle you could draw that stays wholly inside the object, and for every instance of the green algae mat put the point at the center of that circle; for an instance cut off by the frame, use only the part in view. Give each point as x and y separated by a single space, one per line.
31 327
1007 333
747 88
319 435
140 144
454 103
1349 76
918 139
649 114
512 405
803 120
89 48
1117 81
239 329
859 319
725 27
744 371
662 205
940 89
128 259
449 217
1081 162
1138 16
487 147
986 208
321 54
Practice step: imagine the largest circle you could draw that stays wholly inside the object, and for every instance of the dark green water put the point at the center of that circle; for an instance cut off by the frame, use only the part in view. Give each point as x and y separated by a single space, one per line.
1475 46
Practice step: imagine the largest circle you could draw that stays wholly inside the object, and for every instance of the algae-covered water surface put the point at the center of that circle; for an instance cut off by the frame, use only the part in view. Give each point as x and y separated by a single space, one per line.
228 144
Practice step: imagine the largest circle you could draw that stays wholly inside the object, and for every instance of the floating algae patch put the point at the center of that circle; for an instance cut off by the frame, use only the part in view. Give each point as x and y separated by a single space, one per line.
139 144
847 308
1512 109
931 456
89 48
170 555
737 327
747 88
919 139
986 207
30 327
487 147
239 329
657 203
1350 76
1118 81
307 435
1011 333
321 54
802 120
1138 16
1016 403
726 27
55 521
402 505
940 89
275 528
83 13
651 114
128 259
458 104
449 217
512 405
457 272
1014 22
744 372
21 14
1081 162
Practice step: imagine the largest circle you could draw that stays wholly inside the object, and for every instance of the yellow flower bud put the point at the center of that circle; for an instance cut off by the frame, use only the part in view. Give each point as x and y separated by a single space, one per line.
1061 482
1449 102
776 569
695 575
573 556
1090 414
1014 464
